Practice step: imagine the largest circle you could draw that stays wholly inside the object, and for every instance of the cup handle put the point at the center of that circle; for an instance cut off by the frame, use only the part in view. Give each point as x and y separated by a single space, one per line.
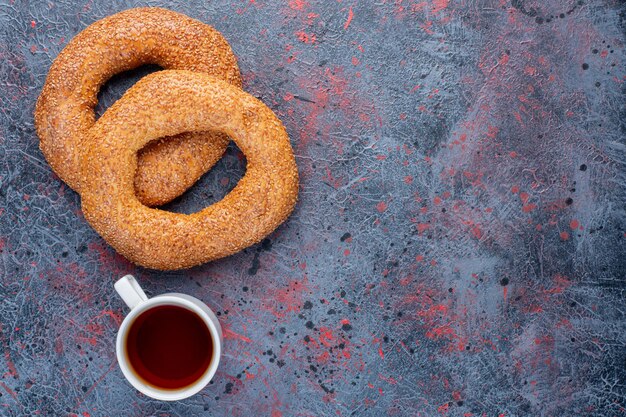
128 288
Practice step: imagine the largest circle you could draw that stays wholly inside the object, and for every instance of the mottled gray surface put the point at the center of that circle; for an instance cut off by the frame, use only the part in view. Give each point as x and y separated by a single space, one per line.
459 247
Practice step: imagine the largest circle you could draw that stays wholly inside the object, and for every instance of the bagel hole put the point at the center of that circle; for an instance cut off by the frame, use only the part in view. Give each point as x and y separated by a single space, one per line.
213 185
117 85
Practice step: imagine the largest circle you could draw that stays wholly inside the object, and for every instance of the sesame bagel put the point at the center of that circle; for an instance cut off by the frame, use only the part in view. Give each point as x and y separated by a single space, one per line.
65 109
167 103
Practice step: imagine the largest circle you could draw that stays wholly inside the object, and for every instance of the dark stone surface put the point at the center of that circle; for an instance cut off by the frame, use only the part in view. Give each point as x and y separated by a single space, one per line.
459 247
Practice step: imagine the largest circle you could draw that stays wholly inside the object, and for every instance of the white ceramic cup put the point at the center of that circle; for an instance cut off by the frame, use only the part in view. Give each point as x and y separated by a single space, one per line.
132 294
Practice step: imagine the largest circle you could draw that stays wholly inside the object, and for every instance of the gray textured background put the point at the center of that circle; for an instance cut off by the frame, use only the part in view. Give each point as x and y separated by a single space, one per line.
459 244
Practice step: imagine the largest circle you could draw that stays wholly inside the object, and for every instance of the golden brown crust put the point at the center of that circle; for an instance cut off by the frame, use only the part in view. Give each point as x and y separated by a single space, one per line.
167 103
168 166
123 41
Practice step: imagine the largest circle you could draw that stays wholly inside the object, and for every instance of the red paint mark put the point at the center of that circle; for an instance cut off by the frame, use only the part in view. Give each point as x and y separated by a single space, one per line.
505 291
437 201
94 328
7 355
524 197
434 311
346 252
323 358
443 409
350 16
476 232
439 5
286 300
604 53
419 258
527 208
33 23
288 97
326 336
504 60
389 379
229 334
355 61
561 284
433 93
91 340
381 353
115 316
9 391
381 207
408 179
530 71
515 189
564 235
441 332
421 228
574 224
513 154
416 7
305 37
426 26
534 308
58 345
564 323
297 4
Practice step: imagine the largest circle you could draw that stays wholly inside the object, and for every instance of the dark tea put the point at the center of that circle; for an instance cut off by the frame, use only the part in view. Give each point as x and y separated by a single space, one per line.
169 347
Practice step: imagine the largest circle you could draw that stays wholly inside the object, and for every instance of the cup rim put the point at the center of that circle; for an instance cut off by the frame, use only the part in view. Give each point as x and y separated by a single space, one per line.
150 390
